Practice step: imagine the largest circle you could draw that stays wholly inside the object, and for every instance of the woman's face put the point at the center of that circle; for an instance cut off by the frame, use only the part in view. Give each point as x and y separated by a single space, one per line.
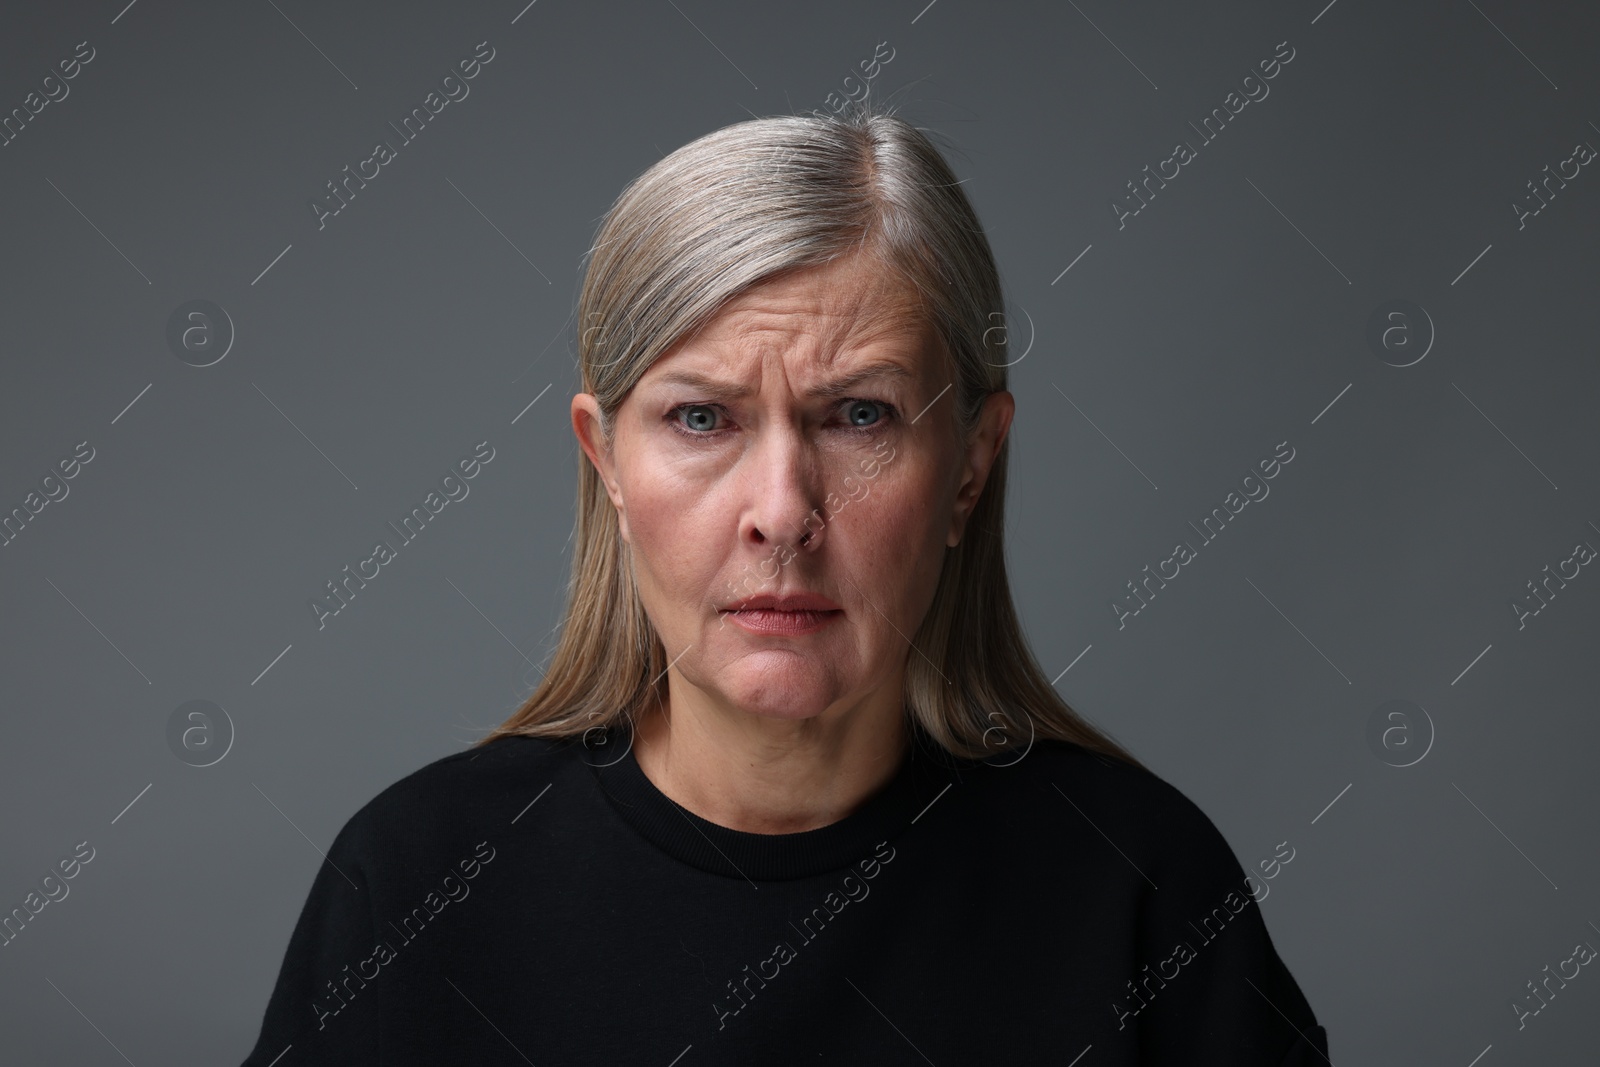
816 403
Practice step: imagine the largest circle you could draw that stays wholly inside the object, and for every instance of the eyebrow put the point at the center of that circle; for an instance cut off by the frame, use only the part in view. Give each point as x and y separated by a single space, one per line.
839 387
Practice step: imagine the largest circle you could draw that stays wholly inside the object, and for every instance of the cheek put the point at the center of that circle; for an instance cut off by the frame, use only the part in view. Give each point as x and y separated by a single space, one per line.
899 522
675 527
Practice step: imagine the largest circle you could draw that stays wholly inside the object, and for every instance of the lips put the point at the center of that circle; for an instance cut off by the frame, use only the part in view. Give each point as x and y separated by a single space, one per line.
807 602
789 615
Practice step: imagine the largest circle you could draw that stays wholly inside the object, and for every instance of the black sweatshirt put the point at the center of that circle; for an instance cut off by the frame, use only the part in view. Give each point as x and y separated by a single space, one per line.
542 902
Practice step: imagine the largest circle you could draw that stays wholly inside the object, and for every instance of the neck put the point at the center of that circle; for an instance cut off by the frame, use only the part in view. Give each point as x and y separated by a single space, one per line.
769 775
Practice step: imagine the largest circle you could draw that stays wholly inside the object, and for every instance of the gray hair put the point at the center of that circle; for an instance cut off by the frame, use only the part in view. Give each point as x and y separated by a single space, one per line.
738 206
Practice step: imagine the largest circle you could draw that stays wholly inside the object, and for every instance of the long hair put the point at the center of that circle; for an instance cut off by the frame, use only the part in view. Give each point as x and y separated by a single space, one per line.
735 207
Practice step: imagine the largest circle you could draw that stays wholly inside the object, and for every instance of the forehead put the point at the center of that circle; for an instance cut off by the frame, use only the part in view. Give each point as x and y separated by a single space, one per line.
815 317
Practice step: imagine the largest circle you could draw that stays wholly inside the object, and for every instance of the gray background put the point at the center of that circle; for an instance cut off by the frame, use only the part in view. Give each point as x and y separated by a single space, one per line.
1227 316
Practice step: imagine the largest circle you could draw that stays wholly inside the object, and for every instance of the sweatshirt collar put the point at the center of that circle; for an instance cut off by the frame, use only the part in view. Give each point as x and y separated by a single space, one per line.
924 772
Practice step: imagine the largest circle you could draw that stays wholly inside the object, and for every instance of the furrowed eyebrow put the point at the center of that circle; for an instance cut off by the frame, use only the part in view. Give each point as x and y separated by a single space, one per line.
841 386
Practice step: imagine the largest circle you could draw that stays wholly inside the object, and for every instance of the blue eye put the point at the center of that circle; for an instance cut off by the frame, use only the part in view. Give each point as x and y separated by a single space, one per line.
700 420
700 416
855 410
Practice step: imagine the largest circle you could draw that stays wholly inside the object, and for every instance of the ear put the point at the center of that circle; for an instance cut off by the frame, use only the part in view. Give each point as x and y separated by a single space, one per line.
982 448
586 426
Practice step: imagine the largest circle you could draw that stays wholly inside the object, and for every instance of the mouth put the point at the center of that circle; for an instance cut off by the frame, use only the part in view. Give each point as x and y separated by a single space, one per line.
782 615
776 622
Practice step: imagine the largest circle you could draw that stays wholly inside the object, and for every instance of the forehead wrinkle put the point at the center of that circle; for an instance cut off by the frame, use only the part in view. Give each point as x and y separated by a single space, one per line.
844 331
879 368
858 302
747 337
856 308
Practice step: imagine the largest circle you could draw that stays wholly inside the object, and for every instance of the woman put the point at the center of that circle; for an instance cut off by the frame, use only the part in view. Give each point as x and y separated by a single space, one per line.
793 788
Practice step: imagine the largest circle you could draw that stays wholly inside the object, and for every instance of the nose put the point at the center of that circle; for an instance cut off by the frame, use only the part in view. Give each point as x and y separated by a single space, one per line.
782 506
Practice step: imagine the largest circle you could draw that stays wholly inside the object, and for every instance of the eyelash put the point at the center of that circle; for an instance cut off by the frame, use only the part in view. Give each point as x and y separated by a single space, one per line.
890 415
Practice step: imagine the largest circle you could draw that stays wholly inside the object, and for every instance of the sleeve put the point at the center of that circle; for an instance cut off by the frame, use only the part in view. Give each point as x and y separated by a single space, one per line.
1211 988
314 1015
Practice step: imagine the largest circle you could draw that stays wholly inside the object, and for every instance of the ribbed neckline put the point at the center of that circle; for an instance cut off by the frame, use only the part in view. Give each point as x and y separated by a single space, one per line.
923 773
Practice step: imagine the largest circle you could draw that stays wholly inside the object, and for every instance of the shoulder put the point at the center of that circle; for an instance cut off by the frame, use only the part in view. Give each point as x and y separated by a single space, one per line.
1153 823
454 797
1079 775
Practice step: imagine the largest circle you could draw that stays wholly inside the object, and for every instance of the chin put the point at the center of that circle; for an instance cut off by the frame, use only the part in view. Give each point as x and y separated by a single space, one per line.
778 694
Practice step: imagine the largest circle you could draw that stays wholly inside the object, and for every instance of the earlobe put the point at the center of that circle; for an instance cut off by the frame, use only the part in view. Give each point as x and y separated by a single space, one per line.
966 496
